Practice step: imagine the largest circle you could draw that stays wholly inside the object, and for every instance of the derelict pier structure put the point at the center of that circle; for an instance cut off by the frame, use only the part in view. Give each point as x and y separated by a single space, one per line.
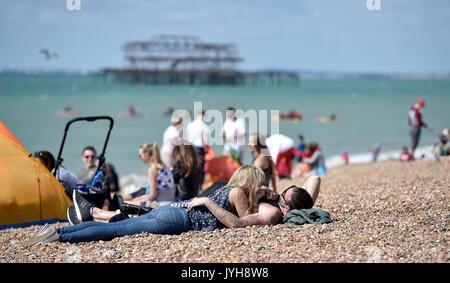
180 59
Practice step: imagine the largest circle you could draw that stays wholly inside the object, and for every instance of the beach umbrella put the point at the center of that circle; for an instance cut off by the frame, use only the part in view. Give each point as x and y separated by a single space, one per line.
29 193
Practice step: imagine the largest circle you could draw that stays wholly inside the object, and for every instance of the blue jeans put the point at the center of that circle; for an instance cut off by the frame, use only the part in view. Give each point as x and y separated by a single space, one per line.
164 220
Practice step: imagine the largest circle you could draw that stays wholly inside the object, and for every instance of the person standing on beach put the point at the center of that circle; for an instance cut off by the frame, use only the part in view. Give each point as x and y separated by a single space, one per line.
197 135
234 133
171 137
416 123
375 149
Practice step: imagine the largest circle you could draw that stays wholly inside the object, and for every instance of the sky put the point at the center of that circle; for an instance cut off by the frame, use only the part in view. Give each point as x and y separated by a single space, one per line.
404 36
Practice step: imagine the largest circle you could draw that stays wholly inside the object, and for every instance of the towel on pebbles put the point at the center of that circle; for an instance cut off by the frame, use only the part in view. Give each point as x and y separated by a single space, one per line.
302 216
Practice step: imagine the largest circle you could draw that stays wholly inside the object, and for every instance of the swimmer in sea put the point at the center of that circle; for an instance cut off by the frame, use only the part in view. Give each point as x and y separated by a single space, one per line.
130 113
169 110
67 111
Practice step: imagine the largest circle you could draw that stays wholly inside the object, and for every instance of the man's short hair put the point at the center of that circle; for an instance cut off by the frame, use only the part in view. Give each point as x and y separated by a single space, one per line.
89 147
300 199
231 108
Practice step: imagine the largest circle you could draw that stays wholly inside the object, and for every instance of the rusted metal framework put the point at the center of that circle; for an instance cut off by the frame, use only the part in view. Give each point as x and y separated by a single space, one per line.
186 59
178 52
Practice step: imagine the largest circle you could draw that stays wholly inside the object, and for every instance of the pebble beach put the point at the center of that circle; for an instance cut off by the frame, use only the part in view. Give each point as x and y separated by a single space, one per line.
383 212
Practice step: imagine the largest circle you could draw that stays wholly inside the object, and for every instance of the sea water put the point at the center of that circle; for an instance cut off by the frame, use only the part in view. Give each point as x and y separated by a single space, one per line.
370 110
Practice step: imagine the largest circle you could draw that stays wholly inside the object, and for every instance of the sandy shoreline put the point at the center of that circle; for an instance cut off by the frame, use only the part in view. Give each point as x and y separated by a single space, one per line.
384 212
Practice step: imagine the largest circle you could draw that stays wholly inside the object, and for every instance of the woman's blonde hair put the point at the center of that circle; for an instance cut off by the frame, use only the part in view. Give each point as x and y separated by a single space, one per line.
249 178
152 149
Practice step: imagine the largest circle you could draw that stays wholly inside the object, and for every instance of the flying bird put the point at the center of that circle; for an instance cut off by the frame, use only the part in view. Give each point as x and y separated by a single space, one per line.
49 55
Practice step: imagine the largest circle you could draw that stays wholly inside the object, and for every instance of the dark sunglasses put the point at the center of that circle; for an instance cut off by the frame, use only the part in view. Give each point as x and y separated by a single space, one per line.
90 156
38 154
284 193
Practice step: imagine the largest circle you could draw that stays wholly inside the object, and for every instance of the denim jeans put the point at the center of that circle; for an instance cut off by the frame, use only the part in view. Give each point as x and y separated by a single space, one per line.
164 220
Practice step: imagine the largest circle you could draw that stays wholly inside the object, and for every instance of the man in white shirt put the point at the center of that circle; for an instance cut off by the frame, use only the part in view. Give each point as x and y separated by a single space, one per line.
281 149
234 133
198 136
171 137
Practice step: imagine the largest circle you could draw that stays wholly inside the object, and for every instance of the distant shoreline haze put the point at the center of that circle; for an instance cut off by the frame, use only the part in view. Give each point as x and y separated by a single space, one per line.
303 74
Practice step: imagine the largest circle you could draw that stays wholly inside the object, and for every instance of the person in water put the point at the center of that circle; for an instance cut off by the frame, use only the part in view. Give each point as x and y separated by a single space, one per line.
227 206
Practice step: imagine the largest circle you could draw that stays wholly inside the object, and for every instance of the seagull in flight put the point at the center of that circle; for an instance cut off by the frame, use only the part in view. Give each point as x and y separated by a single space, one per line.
49 55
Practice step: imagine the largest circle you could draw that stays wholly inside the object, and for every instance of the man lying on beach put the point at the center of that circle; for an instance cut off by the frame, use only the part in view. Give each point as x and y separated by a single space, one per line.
202 214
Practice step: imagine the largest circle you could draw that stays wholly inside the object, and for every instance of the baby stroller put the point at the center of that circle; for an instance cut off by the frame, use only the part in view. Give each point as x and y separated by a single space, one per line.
98 189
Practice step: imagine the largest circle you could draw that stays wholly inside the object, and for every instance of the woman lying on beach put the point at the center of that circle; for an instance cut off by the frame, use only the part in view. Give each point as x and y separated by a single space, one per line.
246 181
247 178
227 207
257 146
161 190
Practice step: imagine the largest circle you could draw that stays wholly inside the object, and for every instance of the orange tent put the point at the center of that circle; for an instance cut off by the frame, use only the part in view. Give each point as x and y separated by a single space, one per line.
5 132
29 193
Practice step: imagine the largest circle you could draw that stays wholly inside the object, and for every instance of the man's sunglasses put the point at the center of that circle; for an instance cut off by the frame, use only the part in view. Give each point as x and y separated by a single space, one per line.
38 154
284 193
90 156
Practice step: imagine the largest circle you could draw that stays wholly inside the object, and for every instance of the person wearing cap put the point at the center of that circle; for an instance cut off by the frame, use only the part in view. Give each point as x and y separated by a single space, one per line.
171 137
416 123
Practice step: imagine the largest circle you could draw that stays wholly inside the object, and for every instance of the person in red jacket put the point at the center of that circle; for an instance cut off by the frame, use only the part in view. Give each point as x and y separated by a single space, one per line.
416 123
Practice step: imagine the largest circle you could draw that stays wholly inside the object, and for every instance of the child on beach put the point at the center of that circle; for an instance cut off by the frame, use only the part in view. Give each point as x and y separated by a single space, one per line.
441 148
405 156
